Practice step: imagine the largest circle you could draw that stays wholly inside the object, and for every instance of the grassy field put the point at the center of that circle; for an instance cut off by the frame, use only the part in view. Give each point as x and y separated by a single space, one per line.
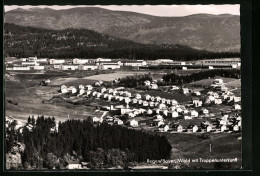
194 146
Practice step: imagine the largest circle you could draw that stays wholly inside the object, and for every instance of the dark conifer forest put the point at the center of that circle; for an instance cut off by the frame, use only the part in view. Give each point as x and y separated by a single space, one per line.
22 41
101 145
183 79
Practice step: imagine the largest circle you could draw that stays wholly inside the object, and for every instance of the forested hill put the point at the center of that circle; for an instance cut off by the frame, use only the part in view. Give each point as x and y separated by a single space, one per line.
23 41
200 31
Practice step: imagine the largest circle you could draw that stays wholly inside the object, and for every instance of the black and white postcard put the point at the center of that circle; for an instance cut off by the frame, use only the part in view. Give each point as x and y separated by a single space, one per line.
122 87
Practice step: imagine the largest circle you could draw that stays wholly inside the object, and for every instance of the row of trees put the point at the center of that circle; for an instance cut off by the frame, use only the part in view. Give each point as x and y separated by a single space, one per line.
82 43
119 145
182 79
135 80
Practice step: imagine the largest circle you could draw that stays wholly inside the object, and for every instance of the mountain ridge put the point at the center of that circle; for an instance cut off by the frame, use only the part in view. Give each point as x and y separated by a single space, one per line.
219 33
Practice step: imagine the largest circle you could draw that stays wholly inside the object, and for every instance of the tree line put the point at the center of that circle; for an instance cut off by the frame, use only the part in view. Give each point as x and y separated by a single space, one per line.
23 41
183 79
101 145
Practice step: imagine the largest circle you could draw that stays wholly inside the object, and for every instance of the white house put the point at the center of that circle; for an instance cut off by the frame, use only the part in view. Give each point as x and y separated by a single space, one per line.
204 111
89 87
173 114
158 99
175 88
161 106
38 67
88 67
218 101
194 113
103 89
109 66
103 59
134 123
159 117
185 90
223 128
193 128
145 103
72 89
237 107
69 67
154 86
79 61
137 63
177 128
138 96
57 61
163 128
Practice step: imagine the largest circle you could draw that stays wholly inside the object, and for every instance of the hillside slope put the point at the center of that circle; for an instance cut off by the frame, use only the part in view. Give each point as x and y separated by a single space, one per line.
200 31
23 41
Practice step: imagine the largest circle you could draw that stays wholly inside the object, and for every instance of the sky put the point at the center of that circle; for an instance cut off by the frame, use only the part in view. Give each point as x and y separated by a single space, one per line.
156 10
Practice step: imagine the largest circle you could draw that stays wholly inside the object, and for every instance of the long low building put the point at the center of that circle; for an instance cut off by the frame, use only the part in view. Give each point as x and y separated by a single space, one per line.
88 67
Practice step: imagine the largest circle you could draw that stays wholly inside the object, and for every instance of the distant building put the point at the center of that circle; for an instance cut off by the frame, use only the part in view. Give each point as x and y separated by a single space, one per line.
102 59
69 67
132 63
57 61
80 61
88 67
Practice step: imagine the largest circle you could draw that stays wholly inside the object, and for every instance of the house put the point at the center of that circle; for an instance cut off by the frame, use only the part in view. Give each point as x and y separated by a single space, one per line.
147 83
223 128
163 100
137 63
140 102
163 128
63 89
149 112
234 128
164 112
172 108
192 128
145 103
158 99
72 89
109 97
38 67
138 96
103 60
79 61
218 101
206 128
73 164
177 128
133 123
57 61
185 90
32 63
187 116
204 111
174 102
159 117
134 101
222 122
95 119
196 102
81 91
175 88
211 67
151 104
179 109
103 90
237 107
152 98
98 95
173 114
118 122
184 68
89 87
94 93
194 113
109 66
88 92
154 86
197 93
131 115
157 111
88 67
69 67
162 106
